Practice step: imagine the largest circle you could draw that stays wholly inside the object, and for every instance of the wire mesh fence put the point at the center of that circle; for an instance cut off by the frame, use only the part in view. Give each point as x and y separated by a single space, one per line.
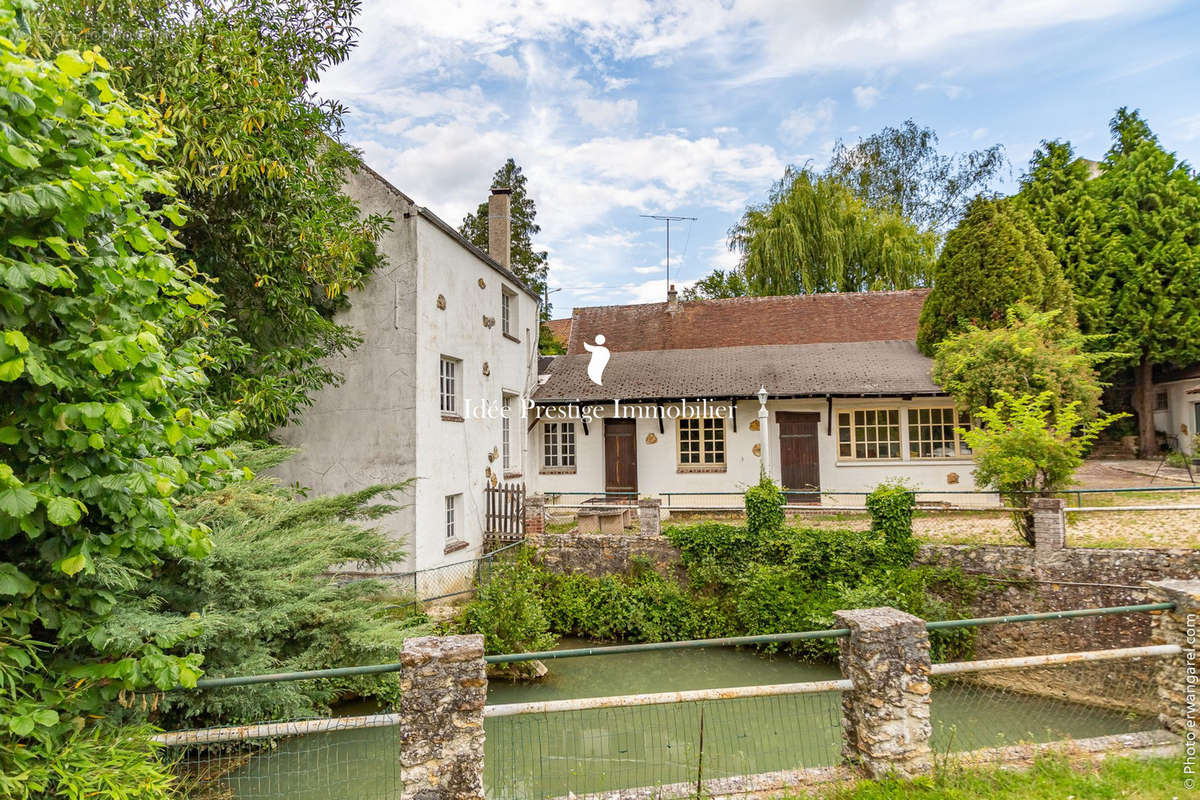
1070 701
452 580
295 760
674 749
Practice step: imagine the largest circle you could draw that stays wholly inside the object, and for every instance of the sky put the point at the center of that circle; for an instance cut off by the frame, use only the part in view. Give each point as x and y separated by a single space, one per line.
695 108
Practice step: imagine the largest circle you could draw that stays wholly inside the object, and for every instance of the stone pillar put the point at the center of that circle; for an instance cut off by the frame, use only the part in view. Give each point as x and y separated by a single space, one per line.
535 514
444 687
649 516
885 717
1175 686
1049 525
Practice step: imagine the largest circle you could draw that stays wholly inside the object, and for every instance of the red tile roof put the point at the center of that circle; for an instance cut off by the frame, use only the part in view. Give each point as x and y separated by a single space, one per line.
560 329
749 321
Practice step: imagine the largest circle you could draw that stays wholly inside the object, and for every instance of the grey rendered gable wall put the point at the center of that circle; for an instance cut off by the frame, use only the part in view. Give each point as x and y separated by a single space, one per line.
363 432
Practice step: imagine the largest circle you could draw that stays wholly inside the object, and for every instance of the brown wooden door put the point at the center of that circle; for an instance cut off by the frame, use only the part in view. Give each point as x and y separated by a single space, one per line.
620 455
799 458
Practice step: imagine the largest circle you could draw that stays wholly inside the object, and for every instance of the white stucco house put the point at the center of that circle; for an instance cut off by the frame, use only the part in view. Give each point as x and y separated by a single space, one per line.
1177 406
851 401
449 338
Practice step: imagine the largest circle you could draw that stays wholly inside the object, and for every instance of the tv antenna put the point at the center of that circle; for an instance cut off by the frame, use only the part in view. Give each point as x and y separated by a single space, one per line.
668 219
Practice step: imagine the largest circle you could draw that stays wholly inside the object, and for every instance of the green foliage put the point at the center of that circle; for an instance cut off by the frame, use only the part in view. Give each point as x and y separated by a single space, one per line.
508 611
1030 354
548 343
259 162
1129 238
764 506
901 169
891 507
815 235
718 285
529 264
993 260
264 601
1025 448
99 435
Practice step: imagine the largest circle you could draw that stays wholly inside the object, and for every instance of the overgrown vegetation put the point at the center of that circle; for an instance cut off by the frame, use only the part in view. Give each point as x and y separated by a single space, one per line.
100 367
509 612
736 580
264 601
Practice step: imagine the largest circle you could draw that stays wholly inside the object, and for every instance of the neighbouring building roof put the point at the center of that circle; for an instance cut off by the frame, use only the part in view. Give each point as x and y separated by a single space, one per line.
845 368
1169 374
746 321
560 329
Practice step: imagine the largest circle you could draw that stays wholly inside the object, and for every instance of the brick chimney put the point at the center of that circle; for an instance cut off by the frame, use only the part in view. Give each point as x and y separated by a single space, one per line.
672 299
500 225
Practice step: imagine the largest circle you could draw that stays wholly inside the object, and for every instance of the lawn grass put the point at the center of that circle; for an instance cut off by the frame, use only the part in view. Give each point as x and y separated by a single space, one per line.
1050 778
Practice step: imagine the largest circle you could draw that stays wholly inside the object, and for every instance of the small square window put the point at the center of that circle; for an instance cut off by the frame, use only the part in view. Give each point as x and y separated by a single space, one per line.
558 445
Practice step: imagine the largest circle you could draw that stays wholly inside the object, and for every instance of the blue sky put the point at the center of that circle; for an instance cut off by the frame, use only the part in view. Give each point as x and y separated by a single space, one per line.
694 108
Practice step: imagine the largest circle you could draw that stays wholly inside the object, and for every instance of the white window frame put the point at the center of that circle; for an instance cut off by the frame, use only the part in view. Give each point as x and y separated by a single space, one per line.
508 312
506 437
450 386
958 448
453 501
852 439
707 457
558 446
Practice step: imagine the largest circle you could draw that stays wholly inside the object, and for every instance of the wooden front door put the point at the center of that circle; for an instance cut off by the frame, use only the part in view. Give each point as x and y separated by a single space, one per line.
799 458
620 455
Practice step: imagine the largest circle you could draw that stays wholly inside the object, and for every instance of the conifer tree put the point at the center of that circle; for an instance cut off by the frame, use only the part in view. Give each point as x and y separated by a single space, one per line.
994 259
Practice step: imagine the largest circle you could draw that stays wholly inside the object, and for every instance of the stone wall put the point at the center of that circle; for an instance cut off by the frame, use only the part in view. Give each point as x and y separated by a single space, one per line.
603 554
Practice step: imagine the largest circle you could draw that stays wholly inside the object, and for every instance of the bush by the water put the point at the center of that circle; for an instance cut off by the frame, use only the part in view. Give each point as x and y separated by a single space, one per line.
264 601
508 611
739 582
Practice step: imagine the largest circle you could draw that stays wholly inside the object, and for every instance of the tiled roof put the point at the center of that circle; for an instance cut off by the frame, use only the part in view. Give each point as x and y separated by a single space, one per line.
835 368
745 321
560 329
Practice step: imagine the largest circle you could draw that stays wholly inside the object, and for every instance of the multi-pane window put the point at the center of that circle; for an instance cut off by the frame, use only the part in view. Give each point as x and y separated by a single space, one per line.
452 501
869 433
508 311
558 445
702 441
506 434
931 433
448 390
1161 401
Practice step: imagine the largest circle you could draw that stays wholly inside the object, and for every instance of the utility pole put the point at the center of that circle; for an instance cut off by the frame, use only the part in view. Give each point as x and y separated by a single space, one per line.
668 219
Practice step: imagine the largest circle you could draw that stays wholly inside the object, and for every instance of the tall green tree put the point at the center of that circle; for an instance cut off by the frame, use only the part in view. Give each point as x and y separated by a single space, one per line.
1129 238
259 161
1149 259
815 235
718 285
1057 196
901 168
530 264
993 260
99 431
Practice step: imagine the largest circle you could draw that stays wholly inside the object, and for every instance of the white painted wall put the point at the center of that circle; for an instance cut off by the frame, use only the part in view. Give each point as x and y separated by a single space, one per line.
1180 417
658 470
452 457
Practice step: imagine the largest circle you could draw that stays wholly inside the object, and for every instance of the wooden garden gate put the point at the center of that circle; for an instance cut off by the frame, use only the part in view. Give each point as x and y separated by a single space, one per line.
504 522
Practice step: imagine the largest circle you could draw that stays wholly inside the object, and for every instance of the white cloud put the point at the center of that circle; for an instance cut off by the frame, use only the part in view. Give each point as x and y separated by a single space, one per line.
606 114
503 66
952 90
806 120
865 96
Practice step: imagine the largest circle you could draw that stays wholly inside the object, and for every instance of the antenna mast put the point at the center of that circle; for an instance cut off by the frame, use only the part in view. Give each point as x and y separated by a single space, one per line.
668 219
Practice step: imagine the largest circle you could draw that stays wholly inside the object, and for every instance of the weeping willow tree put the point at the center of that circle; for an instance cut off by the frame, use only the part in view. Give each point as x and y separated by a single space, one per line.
815 235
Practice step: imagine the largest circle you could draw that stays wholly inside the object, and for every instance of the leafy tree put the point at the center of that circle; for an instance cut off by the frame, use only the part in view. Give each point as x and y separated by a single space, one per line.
529 264
994 259
718 285
1149 260
548 343
815 235
1057 196
264 601
98 432
259 162
1030 354
900 169
1024 448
